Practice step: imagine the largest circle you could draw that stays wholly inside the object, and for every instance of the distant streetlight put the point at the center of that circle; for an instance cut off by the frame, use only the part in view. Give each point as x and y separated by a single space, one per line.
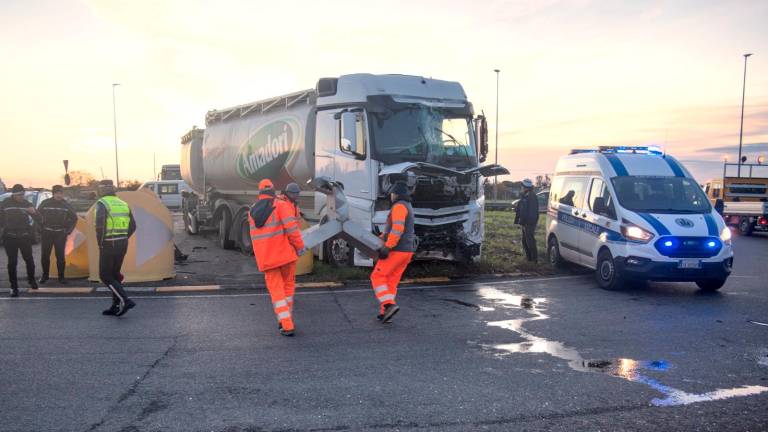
496 160
741 128
114 119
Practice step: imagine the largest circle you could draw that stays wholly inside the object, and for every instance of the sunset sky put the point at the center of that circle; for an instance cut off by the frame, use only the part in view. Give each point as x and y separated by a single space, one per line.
573 73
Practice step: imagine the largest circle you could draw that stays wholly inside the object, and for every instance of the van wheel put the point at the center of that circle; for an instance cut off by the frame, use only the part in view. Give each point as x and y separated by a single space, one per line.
225 224
607 274
553 253
745 226
710 285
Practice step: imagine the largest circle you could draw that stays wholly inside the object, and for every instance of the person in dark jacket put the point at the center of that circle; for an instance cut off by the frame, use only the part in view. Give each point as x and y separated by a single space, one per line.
114 226
527 216
58 221
18 235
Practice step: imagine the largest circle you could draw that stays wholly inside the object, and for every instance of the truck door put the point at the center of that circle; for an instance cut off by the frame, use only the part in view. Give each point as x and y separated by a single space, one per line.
352 162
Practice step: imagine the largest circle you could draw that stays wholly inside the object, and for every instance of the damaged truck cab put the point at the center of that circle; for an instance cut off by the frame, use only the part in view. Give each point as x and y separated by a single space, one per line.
364 132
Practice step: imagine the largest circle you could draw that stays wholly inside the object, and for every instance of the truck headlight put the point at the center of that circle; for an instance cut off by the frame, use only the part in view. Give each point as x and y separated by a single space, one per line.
635 233
725 235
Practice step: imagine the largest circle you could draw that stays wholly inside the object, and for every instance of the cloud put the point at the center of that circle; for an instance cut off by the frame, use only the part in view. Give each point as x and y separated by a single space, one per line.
752 147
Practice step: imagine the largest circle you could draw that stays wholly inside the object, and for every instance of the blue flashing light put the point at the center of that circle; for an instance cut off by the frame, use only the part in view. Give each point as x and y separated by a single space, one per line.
668 243
711 244
646 150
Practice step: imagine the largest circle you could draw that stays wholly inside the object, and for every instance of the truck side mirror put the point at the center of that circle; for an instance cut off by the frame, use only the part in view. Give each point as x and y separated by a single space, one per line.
349 133
481 137
719 206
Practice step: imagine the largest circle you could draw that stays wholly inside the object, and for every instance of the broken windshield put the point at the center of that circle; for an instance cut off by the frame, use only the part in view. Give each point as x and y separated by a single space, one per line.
418 133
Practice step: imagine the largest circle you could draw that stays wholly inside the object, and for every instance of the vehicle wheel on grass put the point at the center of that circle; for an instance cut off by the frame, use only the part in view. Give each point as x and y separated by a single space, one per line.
745 226
225 223
710 285
607 274
553 253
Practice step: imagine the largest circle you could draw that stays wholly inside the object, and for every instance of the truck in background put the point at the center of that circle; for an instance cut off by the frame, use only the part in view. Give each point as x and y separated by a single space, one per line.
170 172
363 131
742 197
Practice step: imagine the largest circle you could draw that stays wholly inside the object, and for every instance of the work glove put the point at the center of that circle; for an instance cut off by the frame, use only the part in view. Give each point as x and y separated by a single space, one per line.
383 252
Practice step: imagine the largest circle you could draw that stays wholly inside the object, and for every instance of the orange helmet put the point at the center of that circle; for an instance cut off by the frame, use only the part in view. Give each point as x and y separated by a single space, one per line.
266 184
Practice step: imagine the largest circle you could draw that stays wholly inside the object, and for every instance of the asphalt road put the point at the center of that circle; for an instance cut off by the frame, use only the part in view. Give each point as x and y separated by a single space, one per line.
542 354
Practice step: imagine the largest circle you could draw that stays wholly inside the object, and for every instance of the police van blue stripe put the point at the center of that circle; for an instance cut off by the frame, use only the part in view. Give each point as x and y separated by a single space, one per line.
617 165
675 167
711 224
655 223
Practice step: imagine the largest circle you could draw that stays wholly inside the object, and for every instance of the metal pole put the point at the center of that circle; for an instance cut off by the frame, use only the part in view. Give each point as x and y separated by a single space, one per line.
741 128
496 160
114 118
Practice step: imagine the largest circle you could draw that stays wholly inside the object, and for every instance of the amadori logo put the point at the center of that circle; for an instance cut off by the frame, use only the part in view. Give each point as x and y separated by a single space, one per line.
267 150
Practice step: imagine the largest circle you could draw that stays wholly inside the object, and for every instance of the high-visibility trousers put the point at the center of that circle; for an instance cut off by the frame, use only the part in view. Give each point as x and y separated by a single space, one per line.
281 283
386 276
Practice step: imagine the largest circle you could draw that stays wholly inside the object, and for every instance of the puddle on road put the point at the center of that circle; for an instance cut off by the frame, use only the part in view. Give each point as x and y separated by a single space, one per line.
628 369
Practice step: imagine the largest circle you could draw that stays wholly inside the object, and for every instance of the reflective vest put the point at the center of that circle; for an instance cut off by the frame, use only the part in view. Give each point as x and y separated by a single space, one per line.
118 217
276 242
399 234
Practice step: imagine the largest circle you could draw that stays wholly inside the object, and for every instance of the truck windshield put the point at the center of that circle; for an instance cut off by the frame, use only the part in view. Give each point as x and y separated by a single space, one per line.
660 194
418 133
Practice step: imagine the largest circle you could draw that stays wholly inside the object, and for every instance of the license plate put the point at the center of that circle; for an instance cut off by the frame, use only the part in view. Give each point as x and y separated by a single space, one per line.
689 264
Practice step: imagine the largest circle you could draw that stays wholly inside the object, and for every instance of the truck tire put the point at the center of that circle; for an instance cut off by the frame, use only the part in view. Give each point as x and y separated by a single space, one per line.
745 226
225 224
338 253
710 285
246 247
188 223
553 253
607 273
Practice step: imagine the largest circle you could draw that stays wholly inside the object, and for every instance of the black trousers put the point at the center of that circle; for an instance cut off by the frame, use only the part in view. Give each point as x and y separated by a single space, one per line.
14 245
52 240
529 242
111 256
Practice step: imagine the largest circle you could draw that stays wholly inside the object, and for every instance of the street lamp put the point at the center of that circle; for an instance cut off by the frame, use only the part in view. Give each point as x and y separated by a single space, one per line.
741 128
496 160
114 119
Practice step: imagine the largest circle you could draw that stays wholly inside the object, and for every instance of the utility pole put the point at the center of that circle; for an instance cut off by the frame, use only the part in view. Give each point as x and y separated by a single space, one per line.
114 119
741 128
496 160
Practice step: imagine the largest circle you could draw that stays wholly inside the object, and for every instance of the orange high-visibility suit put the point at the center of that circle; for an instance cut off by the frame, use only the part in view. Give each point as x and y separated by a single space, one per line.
398 237
276 242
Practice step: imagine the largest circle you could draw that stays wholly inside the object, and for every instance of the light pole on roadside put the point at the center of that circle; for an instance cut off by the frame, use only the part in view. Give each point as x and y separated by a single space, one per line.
741 127
496 159
114 119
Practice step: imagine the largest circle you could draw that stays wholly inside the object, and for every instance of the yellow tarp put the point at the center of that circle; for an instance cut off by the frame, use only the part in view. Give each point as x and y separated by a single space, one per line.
150 249
75 253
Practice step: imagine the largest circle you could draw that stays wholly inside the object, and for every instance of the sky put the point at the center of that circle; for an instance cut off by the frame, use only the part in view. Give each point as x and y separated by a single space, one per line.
574 74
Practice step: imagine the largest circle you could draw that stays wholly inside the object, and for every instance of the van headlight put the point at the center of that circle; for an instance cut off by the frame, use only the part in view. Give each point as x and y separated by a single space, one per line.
725 235
635 233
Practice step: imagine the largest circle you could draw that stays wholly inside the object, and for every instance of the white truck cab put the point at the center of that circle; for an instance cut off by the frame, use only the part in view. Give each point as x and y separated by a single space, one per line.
634 213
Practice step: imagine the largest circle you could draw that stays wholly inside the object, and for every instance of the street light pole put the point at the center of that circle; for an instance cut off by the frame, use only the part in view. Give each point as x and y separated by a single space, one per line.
114 119
741 128
496 160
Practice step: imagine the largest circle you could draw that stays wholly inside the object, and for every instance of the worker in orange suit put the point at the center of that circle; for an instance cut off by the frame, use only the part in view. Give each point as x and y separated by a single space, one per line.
291 195
277 245
399 246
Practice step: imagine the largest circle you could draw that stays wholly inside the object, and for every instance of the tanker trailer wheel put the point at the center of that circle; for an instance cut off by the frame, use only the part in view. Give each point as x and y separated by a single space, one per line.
225 224
745 226
190 226
246 247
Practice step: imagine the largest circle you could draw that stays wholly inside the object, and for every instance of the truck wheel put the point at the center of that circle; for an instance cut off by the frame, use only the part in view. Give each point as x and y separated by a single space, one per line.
710 285
188 223
745 226
225 224
246 247
607 274
338 253
553 253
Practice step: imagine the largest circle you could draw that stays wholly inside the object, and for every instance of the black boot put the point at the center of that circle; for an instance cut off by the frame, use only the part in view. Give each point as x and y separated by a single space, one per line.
32 283
14 291
389 311
62 281
124 303
43 279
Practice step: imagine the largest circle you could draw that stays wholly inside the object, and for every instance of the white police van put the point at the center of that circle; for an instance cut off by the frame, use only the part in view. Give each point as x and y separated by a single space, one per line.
635 214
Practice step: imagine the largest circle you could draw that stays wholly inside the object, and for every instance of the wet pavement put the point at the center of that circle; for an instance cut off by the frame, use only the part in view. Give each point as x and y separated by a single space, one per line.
540 354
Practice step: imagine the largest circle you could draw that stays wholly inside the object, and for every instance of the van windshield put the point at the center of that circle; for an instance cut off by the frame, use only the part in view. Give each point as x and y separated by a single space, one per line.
660 194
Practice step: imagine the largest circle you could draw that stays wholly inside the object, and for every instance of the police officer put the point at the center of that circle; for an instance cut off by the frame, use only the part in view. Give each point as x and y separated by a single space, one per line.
399 246
17 233
527 216
114 225
59 220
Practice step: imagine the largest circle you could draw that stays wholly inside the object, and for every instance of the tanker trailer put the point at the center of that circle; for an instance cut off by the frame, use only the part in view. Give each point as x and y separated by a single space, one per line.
364 132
